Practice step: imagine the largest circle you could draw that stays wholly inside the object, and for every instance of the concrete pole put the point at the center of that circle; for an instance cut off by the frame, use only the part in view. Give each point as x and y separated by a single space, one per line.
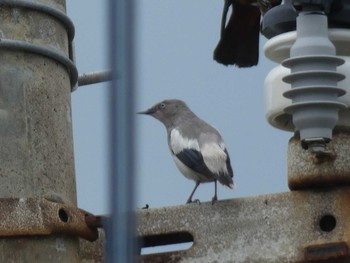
36 144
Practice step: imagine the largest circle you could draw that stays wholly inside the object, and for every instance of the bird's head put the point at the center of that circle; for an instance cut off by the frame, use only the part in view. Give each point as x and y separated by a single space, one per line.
167 111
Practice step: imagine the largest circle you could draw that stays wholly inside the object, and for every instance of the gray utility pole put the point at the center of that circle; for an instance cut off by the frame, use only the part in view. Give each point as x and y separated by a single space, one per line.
36 144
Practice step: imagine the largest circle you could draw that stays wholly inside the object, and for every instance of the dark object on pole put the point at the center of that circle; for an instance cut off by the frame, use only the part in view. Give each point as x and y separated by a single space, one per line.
239 41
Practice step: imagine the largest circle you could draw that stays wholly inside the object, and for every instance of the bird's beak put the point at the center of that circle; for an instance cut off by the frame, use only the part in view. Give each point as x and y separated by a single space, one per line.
148 112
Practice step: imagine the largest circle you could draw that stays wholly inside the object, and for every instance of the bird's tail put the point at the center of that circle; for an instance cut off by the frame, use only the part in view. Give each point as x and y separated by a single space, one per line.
226 180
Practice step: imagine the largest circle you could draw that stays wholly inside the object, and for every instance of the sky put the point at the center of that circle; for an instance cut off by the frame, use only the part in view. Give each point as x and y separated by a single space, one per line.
174 45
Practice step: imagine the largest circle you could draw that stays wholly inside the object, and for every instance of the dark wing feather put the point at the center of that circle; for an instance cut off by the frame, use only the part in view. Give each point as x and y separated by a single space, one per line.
224 178
193 159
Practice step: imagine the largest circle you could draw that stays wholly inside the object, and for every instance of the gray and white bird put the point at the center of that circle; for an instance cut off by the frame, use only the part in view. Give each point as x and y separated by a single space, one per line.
197 148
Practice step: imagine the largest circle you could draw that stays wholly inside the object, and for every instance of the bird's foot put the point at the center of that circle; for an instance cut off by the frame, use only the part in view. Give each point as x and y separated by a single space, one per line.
214 199
145 207
197 201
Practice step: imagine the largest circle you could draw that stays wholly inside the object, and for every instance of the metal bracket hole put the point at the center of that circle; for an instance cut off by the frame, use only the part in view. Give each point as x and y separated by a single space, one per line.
166 243
63 215
327 223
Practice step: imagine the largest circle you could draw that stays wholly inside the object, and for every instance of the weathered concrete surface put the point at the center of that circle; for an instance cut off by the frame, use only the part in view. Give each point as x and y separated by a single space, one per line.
93 252
36 150
307 170
268 228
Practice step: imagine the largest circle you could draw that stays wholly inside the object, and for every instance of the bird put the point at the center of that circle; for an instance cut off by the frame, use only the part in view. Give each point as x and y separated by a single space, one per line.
239 39
197 148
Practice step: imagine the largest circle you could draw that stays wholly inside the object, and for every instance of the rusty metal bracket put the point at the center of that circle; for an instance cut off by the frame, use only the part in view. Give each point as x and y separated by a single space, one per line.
34 216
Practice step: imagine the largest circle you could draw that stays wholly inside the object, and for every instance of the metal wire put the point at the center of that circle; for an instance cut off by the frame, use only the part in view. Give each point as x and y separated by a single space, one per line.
59 15
62 18
121 227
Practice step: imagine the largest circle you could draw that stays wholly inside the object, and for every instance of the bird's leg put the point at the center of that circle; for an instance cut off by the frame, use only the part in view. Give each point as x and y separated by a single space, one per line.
215 197
189 200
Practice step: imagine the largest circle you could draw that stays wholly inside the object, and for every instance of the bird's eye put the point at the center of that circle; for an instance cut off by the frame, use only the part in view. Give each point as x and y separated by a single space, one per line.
162 106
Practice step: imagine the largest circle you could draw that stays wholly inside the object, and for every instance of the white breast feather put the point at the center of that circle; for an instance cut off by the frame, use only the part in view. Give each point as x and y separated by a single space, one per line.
215 157
178 142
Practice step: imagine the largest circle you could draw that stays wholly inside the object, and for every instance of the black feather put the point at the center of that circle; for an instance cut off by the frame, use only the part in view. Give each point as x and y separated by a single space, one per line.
193 159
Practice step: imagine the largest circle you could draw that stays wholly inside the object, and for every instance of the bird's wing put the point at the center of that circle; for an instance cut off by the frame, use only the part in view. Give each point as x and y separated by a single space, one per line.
193 159
205 155
216 157
188 152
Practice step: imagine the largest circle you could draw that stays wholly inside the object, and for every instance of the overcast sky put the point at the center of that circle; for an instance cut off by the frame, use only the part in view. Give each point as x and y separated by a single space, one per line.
175 41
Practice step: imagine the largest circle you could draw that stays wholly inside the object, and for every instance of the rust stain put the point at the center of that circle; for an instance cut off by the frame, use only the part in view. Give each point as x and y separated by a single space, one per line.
34 216
307 170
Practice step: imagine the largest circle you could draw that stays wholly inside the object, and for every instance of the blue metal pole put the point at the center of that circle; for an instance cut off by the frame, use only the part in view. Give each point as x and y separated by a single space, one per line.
121 245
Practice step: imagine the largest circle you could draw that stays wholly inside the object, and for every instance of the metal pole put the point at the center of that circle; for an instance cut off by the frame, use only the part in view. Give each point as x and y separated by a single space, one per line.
36 145
94 77
120 233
